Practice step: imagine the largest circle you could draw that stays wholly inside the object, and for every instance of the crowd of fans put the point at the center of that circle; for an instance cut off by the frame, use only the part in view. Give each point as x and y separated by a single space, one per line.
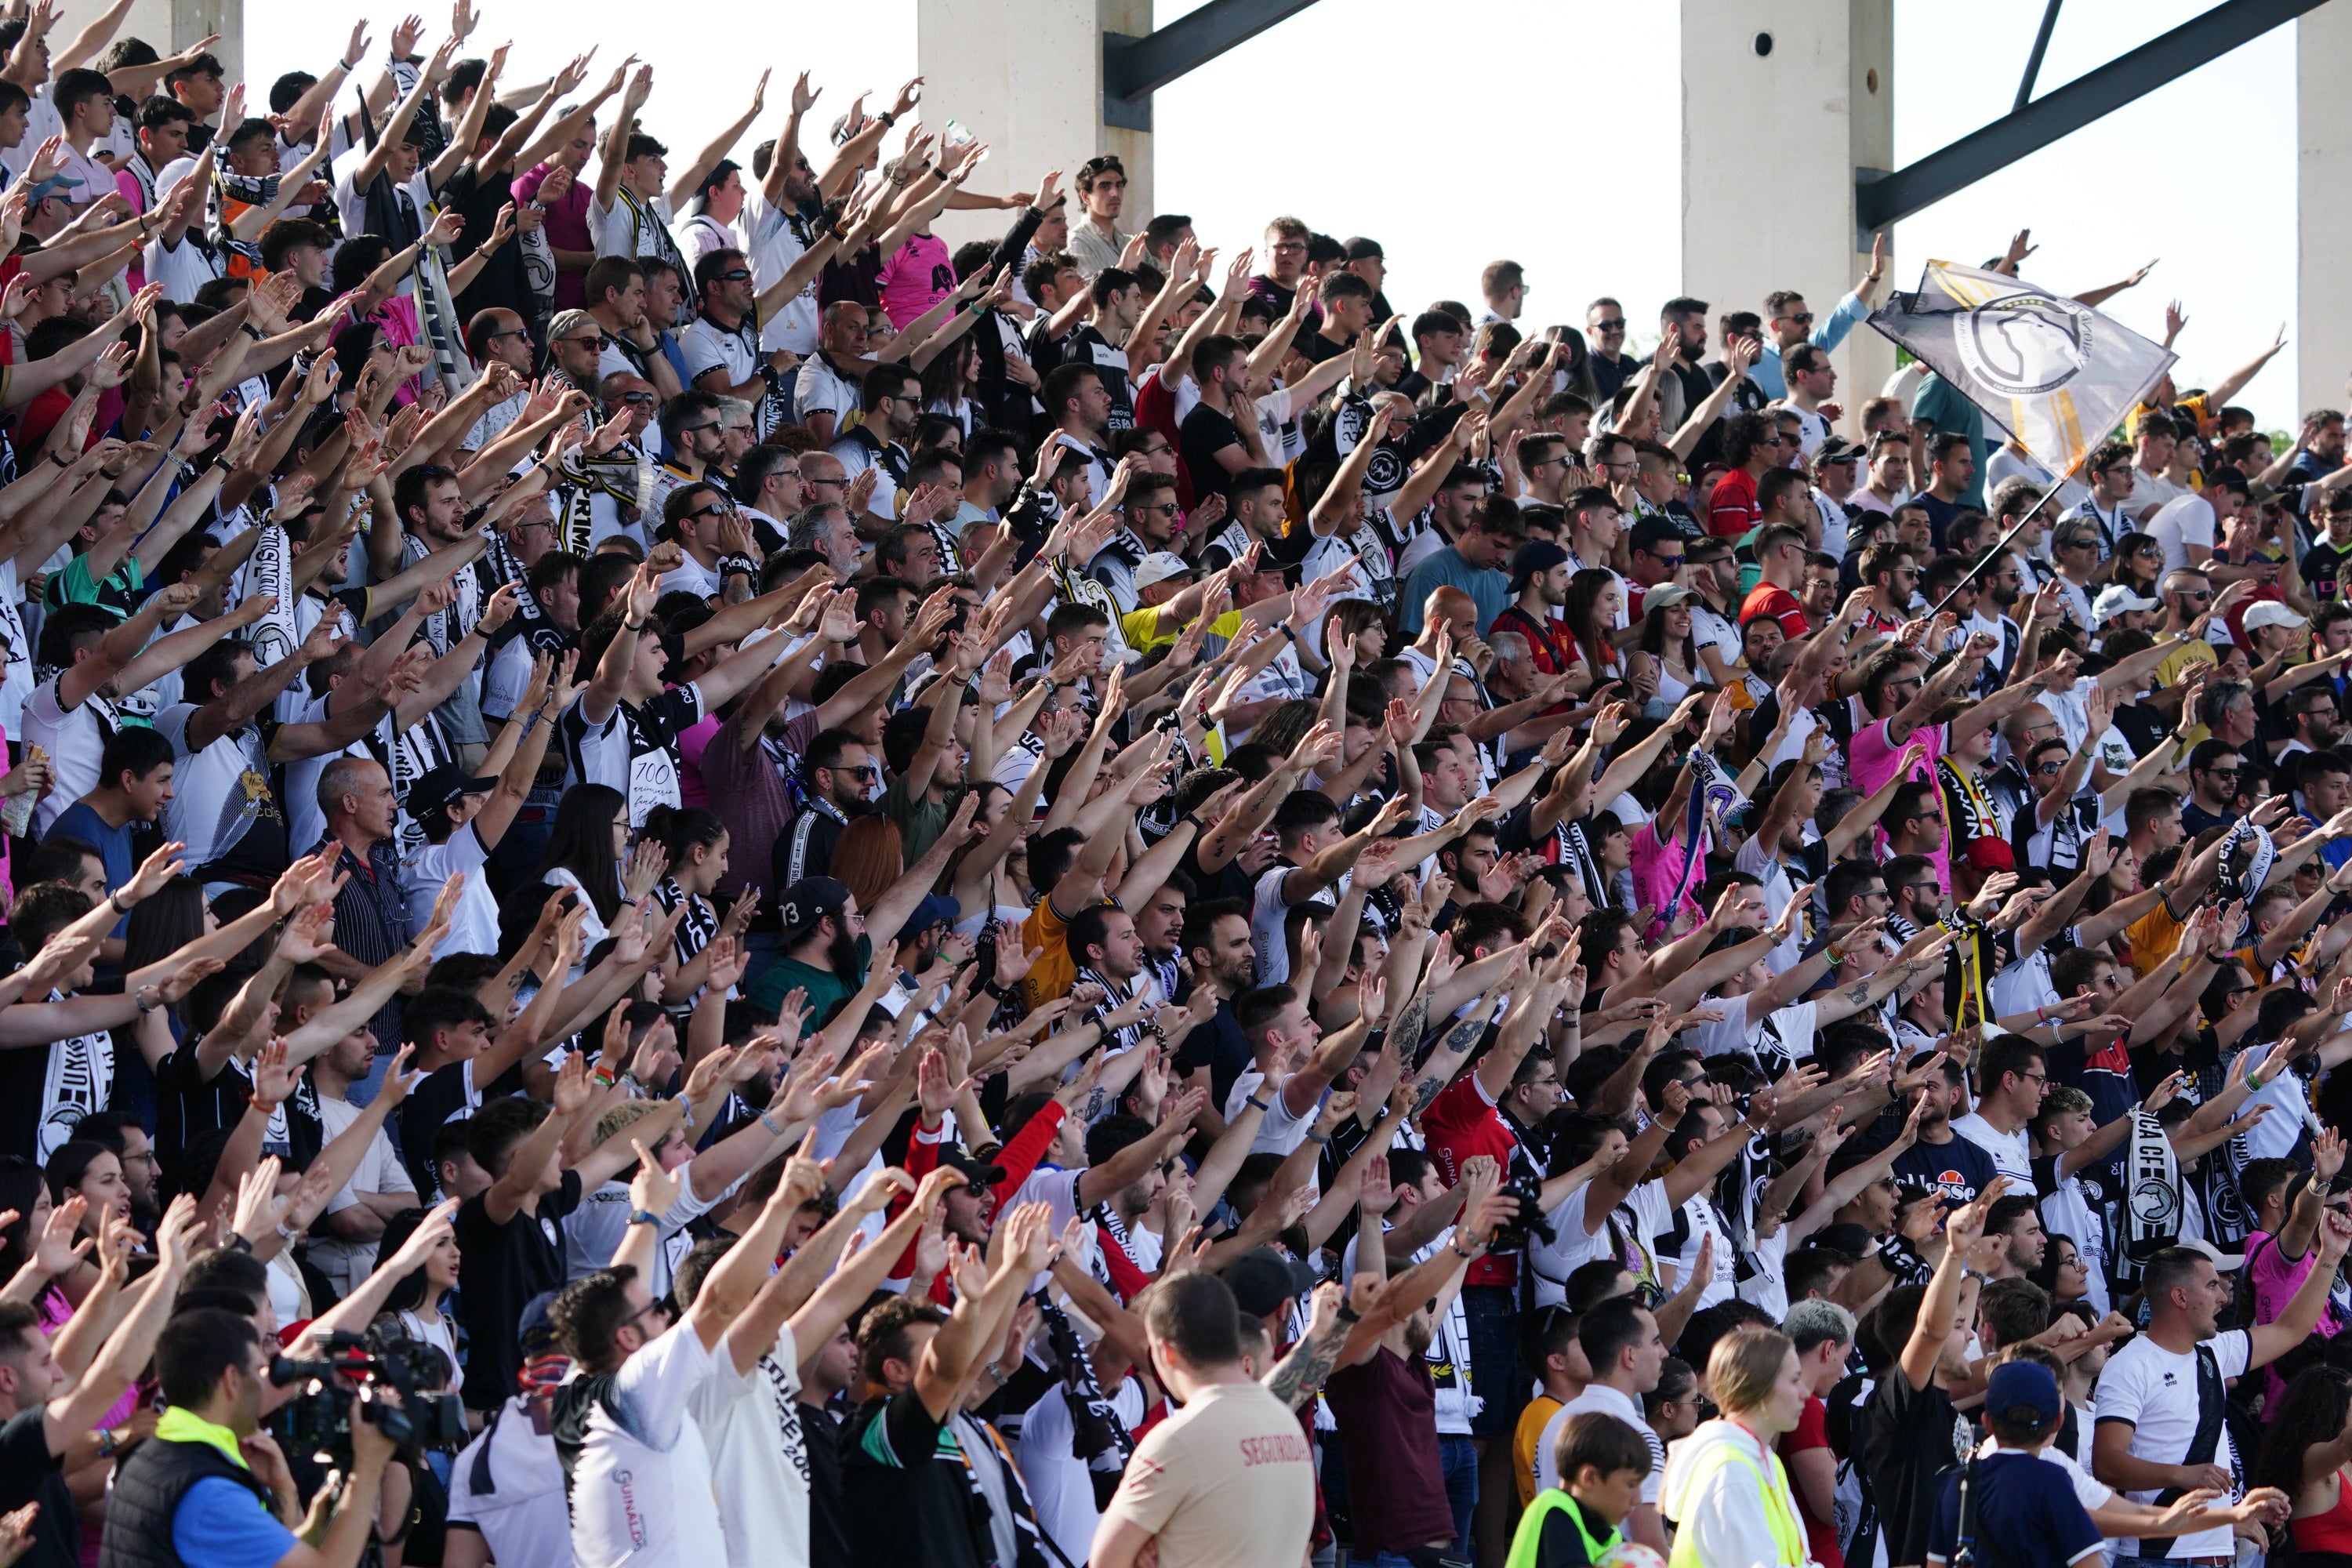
691 880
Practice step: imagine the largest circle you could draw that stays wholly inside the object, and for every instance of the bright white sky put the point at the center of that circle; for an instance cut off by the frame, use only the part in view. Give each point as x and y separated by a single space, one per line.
1305 140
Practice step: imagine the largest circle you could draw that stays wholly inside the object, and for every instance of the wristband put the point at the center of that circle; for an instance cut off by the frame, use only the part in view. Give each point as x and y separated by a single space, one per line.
1455 1247
285 1234
1347 1314
61 460
250 331
107 1443
146 1008
767 1120
643 1217
885 117
1254 1101
1322 1138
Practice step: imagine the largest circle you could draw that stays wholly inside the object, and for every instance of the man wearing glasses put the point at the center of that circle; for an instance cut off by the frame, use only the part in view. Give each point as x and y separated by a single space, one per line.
2212 788
2014 1083
1792 321
1604 335
723 346
498 335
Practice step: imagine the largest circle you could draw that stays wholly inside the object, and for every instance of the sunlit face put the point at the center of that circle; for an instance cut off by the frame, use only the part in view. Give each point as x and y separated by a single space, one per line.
103 1187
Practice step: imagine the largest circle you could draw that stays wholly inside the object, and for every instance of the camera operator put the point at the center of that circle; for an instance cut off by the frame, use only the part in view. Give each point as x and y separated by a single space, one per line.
191 1494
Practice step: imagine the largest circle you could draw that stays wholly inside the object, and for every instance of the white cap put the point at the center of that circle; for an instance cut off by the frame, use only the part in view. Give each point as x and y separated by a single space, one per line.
1159 566
2272 613
2117 599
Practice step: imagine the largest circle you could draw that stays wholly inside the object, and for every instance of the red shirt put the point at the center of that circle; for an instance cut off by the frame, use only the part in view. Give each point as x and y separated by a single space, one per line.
1768 599
1462 1121
1812 1432
1732 510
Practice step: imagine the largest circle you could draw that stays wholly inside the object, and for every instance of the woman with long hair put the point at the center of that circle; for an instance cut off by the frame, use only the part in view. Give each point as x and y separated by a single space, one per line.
695 842
1361 623
870 855
585 845
1576 366
947 383
2137 564
1591 611
418 1303
159 925
2061 1271
1667 638
93 1173
1724 1481
2305 1453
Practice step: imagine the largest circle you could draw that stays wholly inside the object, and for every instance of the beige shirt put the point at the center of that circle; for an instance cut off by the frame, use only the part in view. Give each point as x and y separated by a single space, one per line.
1227 1482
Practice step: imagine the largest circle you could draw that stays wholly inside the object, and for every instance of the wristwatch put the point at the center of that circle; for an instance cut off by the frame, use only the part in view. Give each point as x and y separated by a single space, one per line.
643 1217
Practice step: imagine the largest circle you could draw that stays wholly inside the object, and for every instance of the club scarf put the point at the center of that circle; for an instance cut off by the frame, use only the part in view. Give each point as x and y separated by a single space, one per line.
1097 1434
2258 869
271 571
2151 1197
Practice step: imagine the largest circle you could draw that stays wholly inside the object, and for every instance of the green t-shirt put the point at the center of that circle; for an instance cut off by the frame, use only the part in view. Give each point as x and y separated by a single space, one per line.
825 988
921 822
119 592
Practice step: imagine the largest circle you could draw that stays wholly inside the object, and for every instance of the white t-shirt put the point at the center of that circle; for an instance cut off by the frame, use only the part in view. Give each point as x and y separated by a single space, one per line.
75 739
521 1516
1779 1038
219 793
1599 1399
642 1491
2288 1096
751 1425
351 198
15 652
426 869
2012 1153
772 247
1638 1222
2179 523
2155 1391
1278 1132
347 1264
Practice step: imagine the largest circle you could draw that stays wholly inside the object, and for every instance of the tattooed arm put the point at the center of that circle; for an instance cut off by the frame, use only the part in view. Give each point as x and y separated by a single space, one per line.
1300 1375
1453 1050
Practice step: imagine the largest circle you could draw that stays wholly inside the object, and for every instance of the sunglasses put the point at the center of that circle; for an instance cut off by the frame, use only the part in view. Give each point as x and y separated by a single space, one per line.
639 399
1615 324
864 772
735 275
1802 318
599 342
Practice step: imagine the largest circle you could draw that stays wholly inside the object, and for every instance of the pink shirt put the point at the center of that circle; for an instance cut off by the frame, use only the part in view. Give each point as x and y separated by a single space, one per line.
1871 762
917 273
2276 1279
1657 867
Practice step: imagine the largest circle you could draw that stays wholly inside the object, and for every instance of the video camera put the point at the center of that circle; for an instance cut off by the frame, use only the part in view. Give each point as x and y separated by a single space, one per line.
318 1420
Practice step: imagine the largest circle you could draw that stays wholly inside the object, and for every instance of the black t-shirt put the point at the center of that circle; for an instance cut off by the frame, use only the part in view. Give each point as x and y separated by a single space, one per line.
1902 1443
30 1473
501 283
441 1097
505 1266
188 1106
1204 434
1959 1169
904 1490
2323 569
828 1522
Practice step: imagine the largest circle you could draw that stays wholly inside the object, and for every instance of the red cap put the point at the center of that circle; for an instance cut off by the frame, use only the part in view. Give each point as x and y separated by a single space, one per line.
1991 854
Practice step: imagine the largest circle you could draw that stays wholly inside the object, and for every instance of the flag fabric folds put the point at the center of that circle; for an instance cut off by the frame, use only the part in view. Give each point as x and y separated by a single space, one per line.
2052 374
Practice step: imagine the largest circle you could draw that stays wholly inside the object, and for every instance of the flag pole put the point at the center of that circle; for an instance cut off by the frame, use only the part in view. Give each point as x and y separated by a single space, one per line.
1998 550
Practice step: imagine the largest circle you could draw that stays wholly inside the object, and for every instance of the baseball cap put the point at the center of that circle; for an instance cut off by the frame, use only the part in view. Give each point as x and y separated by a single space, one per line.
2271 612
1837 449
807 901
955 1157
1665 596
535 1329
1991 854
442 787
1161 566
1262 1280
936 910
2224 1262
1533 558
2116 600
1361 249
2024 1393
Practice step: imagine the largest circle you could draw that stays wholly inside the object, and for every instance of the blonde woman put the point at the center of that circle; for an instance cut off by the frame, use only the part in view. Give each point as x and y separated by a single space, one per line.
1725 1488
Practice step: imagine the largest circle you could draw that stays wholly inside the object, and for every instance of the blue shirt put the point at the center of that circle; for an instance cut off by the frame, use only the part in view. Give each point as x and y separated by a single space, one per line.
1490 590
222 1525
1827 333
2027 1513
78 821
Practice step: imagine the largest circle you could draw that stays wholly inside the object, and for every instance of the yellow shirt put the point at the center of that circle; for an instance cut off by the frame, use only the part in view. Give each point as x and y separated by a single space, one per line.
1056 970
1524 1438
2153 937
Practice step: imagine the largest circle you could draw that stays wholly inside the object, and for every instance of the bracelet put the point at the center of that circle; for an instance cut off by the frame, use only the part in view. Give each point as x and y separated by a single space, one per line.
1254 1101
2041 1015
643 1217
1322 1138
885 117
1347 1314
767 1120
285 1234
1285 630
60 459
1835 957
107 1443
940 175
250 331
1455 1247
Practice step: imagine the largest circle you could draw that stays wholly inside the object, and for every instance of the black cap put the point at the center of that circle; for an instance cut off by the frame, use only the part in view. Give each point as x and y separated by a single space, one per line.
807 901
953 1157
1262 1280
440 787
1533 558
1361 249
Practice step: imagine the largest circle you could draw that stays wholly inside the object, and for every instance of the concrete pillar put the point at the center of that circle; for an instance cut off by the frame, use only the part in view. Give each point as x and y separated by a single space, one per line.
1782 100
173 24
1027 77
2322 114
